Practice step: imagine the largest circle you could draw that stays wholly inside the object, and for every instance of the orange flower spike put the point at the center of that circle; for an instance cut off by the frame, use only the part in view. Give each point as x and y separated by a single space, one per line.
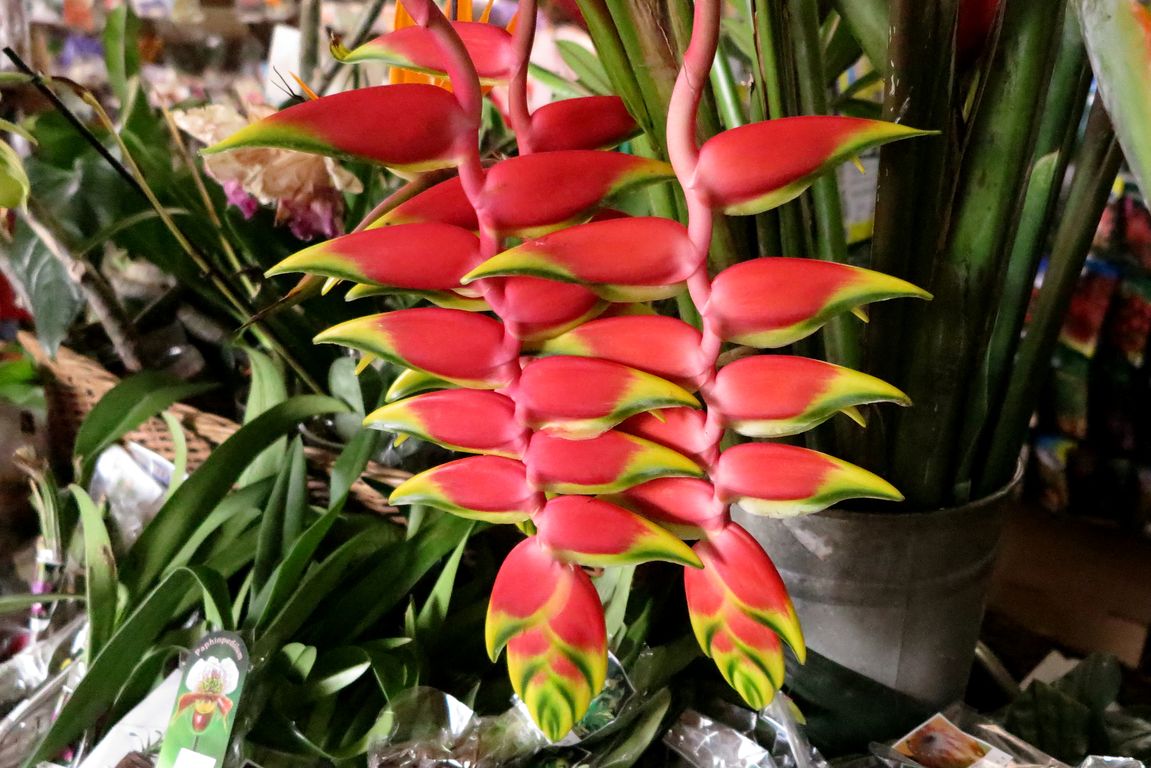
424 128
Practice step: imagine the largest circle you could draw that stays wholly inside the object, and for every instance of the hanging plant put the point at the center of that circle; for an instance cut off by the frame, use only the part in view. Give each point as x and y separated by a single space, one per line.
597 423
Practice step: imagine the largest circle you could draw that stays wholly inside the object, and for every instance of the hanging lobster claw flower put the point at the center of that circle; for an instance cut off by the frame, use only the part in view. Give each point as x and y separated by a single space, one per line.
550 617
416 48
470 420
595 532
681 429
444 203
660 257
774 301
488 488
521 194
588 122
419 127
686 506
420 257
757 167
664 346
777 480
534 309
464 348
605 464
412 382
582 397
777 395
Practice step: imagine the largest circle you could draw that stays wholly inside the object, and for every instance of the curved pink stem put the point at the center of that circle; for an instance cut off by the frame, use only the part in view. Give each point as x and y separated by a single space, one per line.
521 117
682 149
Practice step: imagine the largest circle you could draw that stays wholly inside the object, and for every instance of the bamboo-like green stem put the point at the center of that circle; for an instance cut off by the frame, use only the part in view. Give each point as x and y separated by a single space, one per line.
841 336
951 411
309 38
1096 165
611 50
914 183
726 92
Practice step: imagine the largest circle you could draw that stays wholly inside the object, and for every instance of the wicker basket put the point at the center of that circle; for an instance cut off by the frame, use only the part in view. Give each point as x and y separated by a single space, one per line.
73 384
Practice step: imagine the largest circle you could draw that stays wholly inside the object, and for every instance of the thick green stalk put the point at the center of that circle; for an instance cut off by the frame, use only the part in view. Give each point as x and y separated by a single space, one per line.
914 188
1096 165
841 336
952 339
726 91
641 26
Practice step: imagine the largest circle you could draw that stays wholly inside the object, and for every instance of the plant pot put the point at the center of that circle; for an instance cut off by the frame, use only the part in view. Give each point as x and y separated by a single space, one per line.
896 597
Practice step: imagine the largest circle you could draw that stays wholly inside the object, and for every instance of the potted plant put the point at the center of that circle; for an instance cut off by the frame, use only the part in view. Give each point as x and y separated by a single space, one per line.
898 592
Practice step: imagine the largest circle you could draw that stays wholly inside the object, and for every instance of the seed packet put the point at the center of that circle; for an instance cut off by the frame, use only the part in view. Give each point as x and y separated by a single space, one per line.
939 743
1089 306
1130 322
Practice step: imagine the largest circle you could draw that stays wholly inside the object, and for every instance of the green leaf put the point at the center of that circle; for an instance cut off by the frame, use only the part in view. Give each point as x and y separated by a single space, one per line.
244 503
300 659
99 572
121 55
336 670
179 453
125 407
53 298
318 586
164 536
114 665
432 614
14 185
588 69
18 603
398 569
867 20
283 515
266 390
143 679
1049 719
614 587
350 464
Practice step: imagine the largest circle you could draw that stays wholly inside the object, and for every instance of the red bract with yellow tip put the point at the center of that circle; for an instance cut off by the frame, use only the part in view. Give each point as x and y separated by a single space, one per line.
487 488
660 257
423 122
757 167
609 393
602 419
461 347
772 302
595 532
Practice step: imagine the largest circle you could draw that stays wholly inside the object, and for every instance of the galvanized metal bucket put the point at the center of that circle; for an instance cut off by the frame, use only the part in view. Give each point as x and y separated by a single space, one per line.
896 597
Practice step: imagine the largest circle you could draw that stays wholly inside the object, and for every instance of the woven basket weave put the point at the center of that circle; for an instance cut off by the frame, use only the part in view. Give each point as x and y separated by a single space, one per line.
73 384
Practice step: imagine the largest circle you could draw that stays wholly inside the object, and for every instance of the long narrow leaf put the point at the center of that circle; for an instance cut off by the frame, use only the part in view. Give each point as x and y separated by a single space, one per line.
125 407
163 537
132 640
99 572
